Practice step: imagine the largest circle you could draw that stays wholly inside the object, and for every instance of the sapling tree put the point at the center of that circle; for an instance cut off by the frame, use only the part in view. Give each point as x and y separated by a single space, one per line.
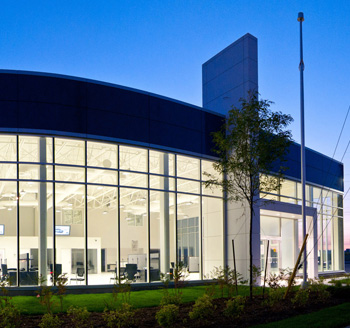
251 148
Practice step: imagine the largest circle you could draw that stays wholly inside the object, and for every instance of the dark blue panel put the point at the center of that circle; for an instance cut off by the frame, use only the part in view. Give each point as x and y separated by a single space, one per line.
8 87
119 126
52 117
8 114
51 90
117 100
174 113
210 123
172 136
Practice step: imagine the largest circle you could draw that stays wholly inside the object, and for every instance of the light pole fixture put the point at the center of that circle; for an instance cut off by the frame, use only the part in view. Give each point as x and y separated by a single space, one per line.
302 148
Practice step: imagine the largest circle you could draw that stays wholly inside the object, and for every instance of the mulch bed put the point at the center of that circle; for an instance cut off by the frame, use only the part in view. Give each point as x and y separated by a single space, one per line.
255 313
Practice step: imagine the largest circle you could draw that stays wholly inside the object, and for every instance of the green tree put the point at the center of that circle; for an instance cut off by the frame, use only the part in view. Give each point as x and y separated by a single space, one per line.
251 147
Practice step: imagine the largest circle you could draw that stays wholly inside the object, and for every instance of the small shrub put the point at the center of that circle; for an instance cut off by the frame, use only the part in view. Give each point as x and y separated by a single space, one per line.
301 297
123 317
9 316
203 308
167 315
319 290
227 278
49 320
275 296
45 295
61 283
79 316
170 298
234 307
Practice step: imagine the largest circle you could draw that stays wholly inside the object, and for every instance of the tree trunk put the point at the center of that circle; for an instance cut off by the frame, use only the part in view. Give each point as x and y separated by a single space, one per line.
251 251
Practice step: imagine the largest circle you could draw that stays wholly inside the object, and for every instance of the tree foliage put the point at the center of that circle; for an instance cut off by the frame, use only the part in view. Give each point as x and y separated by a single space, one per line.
251 147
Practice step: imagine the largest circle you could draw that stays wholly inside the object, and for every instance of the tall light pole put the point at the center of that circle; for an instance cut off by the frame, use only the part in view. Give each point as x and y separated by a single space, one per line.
302 148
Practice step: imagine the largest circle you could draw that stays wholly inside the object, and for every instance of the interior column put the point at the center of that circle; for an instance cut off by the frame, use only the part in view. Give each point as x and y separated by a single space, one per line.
42 211
164 216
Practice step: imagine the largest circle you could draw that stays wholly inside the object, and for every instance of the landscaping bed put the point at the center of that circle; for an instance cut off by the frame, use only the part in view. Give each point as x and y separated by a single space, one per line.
256 311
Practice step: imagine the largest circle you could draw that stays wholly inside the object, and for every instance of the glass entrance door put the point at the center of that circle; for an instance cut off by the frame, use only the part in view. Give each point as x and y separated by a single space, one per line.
274 255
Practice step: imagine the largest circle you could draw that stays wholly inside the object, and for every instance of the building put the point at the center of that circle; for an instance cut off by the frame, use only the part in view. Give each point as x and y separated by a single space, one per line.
97 178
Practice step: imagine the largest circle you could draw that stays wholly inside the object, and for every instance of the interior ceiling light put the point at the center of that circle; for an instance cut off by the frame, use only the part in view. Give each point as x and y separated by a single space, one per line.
121 206
99 187
128 219
9 209
105 212
187 203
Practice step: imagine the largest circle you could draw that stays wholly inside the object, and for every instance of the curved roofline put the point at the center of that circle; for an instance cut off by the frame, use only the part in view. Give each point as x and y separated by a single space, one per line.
319 153
108 84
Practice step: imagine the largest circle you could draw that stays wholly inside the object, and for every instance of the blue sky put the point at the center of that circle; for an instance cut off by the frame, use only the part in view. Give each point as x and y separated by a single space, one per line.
159 46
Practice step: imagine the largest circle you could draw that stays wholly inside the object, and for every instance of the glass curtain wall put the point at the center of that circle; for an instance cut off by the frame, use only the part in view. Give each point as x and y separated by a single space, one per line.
329 207
96 211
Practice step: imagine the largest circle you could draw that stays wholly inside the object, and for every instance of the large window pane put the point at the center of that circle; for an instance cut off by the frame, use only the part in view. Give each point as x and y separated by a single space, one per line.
187 167
69 173
102 176
8 148
288 190
36 243
102 234
188 247
188 186
133 179
8 171
70 231
69 151
102 155
133 234
133 159
212 232
35 149
32 172
158 182
162 228
8 229
161 163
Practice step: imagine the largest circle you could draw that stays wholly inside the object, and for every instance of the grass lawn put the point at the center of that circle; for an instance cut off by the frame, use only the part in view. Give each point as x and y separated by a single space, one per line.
97 302
336 316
